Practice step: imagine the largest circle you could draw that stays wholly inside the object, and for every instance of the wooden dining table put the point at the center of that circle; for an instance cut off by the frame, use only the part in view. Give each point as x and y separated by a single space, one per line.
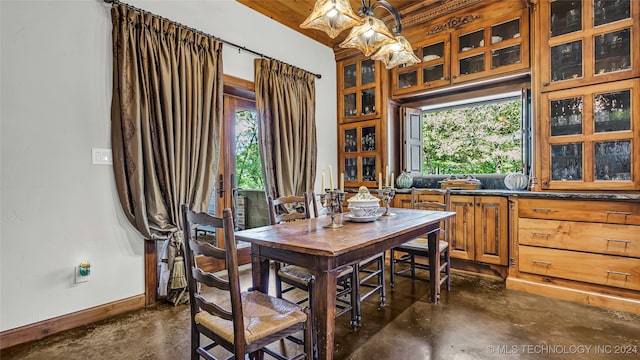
324 251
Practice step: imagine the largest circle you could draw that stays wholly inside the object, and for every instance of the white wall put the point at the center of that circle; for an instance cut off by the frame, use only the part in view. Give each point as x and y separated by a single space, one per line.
56 208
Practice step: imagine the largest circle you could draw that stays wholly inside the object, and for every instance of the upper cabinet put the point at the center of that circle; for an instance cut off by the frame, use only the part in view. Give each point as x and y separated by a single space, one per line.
433 71
590 137
487 46
491 48
587 42
358 89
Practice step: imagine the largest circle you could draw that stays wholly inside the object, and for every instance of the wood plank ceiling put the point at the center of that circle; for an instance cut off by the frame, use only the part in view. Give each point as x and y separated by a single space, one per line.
292 13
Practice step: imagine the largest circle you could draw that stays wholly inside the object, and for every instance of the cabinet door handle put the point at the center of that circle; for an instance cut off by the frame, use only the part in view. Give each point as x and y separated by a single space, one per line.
446 78
625 213
539 262
478 203
542 209
545 84
619 240
454 76
535 233
618 273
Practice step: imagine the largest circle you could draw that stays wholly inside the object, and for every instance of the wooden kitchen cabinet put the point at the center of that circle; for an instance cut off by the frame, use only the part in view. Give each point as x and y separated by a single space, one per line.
433 71
492 47
359 89
360 151
579 249
480 229
587 42
480 49
589 137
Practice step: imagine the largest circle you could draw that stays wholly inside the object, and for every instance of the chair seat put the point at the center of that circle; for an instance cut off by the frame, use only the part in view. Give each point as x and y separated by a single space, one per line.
302 275
263 315
421 244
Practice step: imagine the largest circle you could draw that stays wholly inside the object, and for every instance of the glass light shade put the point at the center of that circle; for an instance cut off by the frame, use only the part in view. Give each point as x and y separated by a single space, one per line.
369 36
332 17
398 53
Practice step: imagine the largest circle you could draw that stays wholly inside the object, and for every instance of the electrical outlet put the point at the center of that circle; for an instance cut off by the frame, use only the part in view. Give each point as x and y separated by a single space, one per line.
79 277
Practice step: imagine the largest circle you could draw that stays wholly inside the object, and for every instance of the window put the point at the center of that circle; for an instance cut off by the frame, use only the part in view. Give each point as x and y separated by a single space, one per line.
248 165
478 136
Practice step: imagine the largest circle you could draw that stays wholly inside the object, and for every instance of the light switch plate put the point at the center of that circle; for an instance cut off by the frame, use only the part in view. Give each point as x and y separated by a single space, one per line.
101 156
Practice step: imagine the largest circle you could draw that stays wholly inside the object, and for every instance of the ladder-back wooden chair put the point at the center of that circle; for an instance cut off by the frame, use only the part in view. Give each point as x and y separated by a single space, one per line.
240 322
293 208
416 249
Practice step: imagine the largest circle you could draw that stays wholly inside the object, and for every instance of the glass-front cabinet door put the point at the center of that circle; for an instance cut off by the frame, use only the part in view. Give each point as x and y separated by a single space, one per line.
588 137
359 146
492 48
359 94
431 72
588 42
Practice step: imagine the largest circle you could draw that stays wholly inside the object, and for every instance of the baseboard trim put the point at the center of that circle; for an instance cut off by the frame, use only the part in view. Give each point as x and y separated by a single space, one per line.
582 296
48 327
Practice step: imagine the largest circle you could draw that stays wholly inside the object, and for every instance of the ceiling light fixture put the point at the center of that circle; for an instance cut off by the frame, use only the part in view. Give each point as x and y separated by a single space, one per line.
369 35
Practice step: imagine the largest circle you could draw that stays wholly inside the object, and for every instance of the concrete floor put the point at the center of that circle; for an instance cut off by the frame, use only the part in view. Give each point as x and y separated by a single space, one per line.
478 319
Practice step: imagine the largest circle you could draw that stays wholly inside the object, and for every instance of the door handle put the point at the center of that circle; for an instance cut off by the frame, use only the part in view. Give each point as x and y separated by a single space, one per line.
221 186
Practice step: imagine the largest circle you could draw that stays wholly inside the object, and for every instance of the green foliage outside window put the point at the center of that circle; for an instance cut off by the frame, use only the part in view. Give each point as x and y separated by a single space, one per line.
248 165
481 139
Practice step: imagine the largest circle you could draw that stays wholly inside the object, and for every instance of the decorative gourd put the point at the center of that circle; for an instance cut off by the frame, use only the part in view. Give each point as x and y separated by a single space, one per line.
516 181
404 180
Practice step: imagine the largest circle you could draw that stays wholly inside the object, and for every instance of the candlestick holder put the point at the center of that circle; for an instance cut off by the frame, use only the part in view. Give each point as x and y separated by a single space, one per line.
332 201
387 194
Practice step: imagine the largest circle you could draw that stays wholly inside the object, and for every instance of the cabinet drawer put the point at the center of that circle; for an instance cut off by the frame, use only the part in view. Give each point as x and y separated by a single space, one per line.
590 237
614 212
592 268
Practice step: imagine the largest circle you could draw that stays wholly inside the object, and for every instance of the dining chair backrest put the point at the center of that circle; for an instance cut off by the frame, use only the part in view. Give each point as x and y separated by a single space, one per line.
433 199
288 208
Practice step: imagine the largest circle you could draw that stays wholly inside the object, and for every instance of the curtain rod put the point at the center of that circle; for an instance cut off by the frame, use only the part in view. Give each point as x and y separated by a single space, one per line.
239 47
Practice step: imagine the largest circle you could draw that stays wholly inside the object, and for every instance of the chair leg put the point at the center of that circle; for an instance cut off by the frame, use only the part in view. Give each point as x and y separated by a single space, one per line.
392 276
448 269
195 342
278 282
355 298
383 291
413 267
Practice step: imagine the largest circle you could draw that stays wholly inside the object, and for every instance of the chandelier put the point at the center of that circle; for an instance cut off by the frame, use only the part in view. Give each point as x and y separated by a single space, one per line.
368 34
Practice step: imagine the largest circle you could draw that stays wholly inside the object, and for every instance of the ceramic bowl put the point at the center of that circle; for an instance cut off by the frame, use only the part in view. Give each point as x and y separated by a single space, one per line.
364 211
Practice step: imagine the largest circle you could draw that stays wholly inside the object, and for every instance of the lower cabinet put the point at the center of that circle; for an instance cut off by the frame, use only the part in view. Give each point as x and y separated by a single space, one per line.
480 229
581 250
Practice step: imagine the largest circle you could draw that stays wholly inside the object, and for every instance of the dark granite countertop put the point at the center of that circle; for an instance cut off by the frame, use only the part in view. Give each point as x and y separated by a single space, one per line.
536 194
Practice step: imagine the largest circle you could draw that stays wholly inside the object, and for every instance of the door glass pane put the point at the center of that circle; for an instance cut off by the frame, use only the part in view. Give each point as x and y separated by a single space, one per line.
368 101
369 138
613 160
505 56
566 117
351 169
349 80
612 51
433 73
611 111
566 162
350 144
368 71
504 31
566 61
470 41
407 79
433 52
350 105
472 64
369 168
566 17
606 11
